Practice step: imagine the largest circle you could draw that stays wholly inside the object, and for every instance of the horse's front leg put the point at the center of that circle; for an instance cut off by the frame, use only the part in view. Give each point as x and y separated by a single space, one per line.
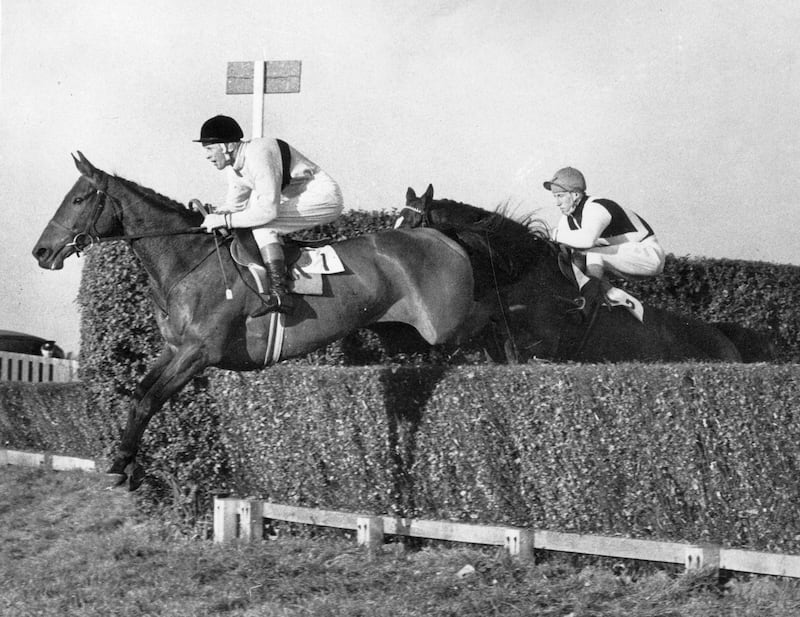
124 459
171 372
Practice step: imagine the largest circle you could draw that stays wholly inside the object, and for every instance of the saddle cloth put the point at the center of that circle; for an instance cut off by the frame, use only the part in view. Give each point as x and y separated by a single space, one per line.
305 274
306 264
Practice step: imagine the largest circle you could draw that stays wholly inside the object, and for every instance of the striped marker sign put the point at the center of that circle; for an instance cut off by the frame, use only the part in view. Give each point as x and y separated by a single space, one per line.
262 77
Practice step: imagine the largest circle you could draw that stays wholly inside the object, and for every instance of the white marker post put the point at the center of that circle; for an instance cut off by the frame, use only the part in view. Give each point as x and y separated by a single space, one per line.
263 77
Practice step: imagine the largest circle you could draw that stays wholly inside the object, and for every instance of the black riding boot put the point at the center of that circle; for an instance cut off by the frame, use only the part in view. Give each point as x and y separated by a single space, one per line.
276 297
593 293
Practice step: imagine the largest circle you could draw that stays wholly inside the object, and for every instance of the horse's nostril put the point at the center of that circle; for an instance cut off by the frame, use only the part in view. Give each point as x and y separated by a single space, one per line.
40 252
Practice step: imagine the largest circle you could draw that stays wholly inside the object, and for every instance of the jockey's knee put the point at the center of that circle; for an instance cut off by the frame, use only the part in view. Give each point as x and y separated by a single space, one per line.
595 268
264 236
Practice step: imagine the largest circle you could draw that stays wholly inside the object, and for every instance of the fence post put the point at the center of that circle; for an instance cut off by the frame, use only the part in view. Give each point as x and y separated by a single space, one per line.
369 532
700 556
226 519
519 543
36 369
251 520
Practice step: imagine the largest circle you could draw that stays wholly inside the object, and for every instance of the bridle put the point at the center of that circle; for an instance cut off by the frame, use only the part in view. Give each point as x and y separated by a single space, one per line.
425 222
83 241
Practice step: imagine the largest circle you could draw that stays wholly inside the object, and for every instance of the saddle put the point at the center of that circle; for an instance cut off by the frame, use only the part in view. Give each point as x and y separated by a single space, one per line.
306 262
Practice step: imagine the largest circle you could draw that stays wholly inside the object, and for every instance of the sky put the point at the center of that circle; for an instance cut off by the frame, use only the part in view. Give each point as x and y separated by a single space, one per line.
687 111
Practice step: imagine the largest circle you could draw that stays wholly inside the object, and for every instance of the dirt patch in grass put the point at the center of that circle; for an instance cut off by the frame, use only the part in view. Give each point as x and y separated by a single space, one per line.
70 547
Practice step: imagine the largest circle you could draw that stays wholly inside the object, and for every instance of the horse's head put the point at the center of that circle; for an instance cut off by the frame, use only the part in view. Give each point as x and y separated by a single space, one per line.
415 212
85 214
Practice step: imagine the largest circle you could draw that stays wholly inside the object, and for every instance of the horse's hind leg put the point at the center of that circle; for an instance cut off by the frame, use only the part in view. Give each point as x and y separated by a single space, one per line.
170 373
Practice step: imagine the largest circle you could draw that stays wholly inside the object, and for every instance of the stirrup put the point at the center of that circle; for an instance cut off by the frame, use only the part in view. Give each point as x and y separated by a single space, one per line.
285 303
269 304
273 303
579 304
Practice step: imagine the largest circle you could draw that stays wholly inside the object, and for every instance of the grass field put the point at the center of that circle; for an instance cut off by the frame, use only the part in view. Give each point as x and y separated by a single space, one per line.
69 547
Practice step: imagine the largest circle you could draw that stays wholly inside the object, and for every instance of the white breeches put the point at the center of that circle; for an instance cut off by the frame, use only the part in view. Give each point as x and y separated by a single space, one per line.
631 259
303 206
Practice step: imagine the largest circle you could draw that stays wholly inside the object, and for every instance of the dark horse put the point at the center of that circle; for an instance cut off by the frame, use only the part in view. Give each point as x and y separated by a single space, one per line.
415 277
533 313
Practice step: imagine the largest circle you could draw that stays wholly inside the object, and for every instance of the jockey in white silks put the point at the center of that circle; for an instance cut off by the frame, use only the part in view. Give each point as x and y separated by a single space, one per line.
273 189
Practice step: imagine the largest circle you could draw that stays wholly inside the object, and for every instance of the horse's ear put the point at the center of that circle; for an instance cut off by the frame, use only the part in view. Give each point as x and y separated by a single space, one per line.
428 195
83 164
89 171
410 195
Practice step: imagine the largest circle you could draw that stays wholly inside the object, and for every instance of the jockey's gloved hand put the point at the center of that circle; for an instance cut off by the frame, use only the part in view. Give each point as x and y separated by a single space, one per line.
213 221
198 206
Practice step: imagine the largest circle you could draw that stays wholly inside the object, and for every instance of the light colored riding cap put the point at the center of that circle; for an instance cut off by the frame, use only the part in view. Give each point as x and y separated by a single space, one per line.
568 179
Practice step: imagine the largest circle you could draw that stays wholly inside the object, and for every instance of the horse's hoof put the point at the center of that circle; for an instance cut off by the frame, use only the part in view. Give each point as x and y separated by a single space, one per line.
118 466
137 477
115 480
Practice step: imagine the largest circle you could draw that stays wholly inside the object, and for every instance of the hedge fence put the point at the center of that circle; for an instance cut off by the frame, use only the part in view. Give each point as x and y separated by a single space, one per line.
680 452
118 329
684 452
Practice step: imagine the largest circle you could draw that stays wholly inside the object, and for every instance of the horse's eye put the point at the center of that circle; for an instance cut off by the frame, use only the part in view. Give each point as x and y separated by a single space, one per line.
78 200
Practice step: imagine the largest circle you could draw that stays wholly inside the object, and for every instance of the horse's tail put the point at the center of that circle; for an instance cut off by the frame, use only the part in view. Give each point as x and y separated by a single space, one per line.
753 345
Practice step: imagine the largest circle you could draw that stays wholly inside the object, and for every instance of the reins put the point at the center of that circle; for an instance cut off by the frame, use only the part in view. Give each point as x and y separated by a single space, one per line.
152 234
500 302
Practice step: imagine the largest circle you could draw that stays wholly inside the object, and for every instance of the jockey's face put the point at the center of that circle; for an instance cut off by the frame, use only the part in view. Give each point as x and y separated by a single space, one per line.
217 154
566 202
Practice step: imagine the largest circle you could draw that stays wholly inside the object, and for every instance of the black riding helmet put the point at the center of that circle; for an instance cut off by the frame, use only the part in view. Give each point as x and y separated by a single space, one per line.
220 130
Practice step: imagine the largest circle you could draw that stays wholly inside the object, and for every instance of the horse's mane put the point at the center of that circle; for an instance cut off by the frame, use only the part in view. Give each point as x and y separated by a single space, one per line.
149 193
498 242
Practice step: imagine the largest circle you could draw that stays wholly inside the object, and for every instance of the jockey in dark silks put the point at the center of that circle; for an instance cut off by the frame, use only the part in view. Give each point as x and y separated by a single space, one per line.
273 189
605 236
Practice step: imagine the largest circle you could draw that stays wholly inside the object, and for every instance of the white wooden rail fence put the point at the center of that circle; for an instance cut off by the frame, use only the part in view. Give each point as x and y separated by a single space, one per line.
36 369
56 462
243 520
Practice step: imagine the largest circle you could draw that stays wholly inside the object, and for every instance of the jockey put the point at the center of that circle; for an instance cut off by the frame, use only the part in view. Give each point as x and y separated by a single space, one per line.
272 189
609 237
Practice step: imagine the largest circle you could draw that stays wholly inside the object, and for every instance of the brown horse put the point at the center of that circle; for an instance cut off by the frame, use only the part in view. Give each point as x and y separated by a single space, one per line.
415 277
532 312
